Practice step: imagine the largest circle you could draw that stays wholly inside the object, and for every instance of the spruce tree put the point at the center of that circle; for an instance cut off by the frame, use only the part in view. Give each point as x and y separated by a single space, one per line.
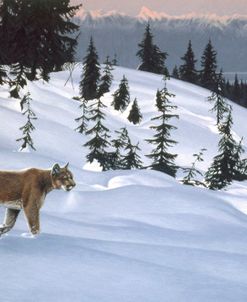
125 154
241 164
163 160
132 160
220 106
114 61
115 157
175 73
106 78
224 167
18 71
100 142
121 97
152 58
28 128
88 85
188 71
119 143
135 115
208 73
192 172
83 119
236 91
159 100
38 34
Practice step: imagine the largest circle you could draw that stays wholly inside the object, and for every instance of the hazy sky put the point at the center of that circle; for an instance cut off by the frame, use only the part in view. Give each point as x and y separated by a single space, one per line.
173 7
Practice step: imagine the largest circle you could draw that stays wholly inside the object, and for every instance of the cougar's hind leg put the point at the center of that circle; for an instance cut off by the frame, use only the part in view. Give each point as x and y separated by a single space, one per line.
9 220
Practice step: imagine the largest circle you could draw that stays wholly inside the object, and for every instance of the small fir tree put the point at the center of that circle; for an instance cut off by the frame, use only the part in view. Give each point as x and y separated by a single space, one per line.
83 119
135 115
114 61
132 160
241 164
236 91
208 75
91 74
119 143
115 157
106 79
220 106
188 71
100 141
159 100
152 58
163 160
19 72
175 73
28 128
121 97
192 172
224 167
163 96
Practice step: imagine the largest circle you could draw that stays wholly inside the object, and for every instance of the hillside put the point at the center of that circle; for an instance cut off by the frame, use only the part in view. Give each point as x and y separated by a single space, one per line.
123 235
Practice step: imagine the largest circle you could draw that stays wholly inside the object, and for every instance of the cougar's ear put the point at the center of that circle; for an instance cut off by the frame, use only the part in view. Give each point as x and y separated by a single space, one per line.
55 170
66 166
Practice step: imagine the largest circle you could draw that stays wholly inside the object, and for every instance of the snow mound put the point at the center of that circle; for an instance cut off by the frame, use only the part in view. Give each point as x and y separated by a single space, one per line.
123 235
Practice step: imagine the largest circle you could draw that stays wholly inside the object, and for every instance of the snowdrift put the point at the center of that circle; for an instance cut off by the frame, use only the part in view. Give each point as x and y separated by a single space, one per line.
123 235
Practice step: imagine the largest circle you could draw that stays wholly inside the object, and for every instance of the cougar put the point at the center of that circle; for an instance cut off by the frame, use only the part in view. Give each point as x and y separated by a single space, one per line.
27 189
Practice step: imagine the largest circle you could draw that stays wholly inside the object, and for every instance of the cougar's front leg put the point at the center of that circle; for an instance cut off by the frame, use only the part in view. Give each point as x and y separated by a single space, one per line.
9 220
32 214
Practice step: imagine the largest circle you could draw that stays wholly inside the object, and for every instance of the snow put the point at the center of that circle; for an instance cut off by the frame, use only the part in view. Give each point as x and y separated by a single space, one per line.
123 235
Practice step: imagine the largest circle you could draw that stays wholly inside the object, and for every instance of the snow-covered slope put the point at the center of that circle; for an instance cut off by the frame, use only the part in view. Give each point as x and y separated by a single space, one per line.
124 235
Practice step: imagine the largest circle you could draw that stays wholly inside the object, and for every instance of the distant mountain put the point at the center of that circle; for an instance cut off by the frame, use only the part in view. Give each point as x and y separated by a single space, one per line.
118 33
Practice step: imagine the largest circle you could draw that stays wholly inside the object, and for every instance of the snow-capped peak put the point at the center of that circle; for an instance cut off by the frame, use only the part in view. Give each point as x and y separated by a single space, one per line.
96 14
147 14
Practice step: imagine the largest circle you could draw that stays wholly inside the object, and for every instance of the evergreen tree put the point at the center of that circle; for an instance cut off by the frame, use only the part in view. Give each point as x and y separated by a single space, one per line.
121 97
20 80
153 59
106 79
28 127
224 167
114 61
159 100
132 160
192 172
115 158
220 105
119 143
236 91
100 141
175 73
91 74
187 71
162 97
228 89
208 73
83 119
125 154
37 34
135 115
163 160
240 169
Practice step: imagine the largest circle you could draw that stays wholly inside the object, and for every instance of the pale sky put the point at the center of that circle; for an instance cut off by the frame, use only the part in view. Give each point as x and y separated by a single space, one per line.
172 7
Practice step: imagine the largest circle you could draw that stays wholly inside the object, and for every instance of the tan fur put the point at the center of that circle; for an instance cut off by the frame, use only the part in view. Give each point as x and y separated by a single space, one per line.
27 190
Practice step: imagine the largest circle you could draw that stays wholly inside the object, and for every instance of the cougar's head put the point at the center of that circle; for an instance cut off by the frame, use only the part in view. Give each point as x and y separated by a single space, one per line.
62 178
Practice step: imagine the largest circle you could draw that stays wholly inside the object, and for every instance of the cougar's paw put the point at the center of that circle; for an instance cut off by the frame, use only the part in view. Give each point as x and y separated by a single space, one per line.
29 235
